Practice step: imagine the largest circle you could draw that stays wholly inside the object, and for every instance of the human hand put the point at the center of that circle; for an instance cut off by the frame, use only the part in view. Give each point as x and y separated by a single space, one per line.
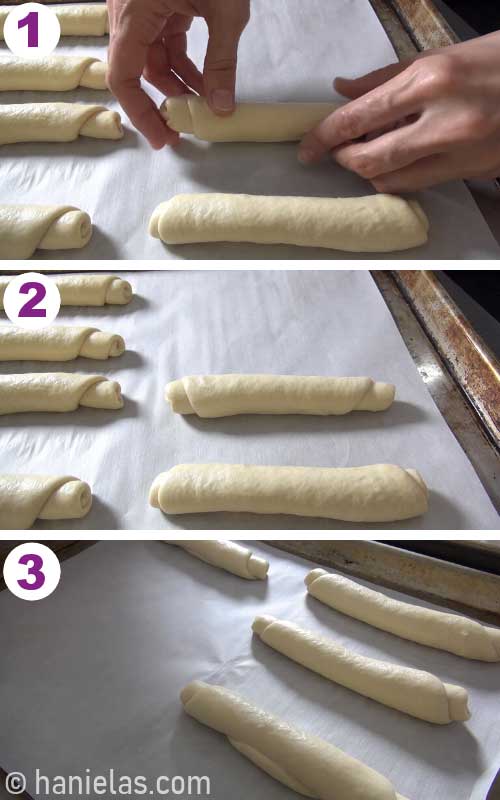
149 38
410 126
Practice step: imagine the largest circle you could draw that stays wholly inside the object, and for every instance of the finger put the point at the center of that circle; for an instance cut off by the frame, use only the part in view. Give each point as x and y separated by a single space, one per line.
383 106
356 87
158 72
387 153
182 64
128 56
421 174
219 72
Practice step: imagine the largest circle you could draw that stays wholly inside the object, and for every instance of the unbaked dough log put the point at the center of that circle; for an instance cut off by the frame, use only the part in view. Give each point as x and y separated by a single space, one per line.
53 73
25 498
250 122
460 635
229 556
307 764
377 493
57 391
411 691
57 122
27 228
226 395
380 223
57 343
87 290
83 19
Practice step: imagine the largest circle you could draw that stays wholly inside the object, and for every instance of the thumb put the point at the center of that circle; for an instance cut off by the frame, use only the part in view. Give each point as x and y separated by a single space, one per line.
219 72
354 88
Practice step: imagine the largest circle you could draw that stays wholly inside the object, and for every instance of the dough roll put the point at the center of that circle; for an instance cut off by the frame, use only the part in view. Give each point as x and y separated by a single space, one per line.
52 74
58 343
226 395
57 391
57 122
87 290
377 493
250 122
82 19
306 764
25 498
380 223
27 228
228 556
455 634
412 691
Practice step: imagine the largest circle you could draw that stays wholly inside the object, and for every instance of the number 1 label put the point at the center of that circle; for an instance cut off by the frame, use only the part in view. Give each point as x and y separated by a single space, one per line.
32 30
31 22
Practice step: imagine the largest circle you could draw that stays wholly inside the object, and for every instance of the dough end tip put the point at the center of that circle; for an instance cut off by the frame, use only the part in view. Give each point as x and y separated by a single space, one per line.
260 624
189 691
258 567
313 575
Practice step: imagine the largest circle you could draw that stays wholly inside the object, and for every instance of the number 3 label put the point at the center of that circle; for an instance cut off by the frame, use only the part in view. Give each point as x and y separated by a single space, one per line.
32 300
32 30
31 571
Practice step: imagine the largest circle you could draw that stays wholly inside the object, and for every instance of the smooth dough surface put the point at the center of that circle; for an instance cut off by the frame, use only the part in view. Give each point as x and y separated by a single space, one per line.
460 635
379 223
226 395
376 493
82 19
57 343
87 290
307 764
412 691
27 228
250 122
57 391
52 73
25 498
229 556
57 122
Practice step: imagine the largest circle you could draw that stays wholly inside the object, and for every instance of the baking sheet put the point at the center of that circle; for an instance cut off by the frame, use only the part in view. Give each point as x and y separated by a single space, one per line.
291 51
92 675
291 322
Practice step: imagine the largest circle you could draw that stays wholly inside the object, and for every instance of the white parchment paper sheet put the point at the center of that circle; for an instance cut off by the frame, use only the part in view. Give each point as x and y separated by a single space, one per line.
92 675
291 50
188 323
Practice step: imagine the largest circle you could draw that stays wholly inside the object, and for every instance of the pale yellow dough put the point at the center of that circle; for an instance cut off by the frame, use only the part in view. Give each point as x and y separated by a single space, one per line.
250 122
377 493
455 634
379 223
27 228
80 19
226 395
412 691
228 556
57 343
53 73
305 763
57 122
57 391
87 290
25 498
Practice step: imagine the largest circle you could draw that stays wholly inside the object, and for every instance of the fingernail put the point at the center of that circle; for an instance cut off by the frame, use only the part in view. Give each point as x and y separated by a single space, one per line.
306 156
222 100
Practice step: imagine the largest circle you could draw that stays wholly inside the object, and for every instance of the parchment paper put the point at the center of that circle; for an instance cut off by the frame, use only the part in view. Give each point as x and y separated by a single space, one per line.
92 675
291 50
295 322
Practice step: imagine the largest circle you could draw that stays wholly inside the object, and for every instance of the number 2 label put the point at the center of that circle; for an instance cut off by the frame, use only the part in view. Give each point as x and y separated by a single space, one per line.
32 300
30 309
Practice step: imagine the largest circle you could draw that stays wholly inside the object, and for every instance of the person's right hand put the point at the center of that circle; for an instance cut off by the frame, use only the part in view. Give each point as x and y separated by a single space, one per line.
410 126
149 38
